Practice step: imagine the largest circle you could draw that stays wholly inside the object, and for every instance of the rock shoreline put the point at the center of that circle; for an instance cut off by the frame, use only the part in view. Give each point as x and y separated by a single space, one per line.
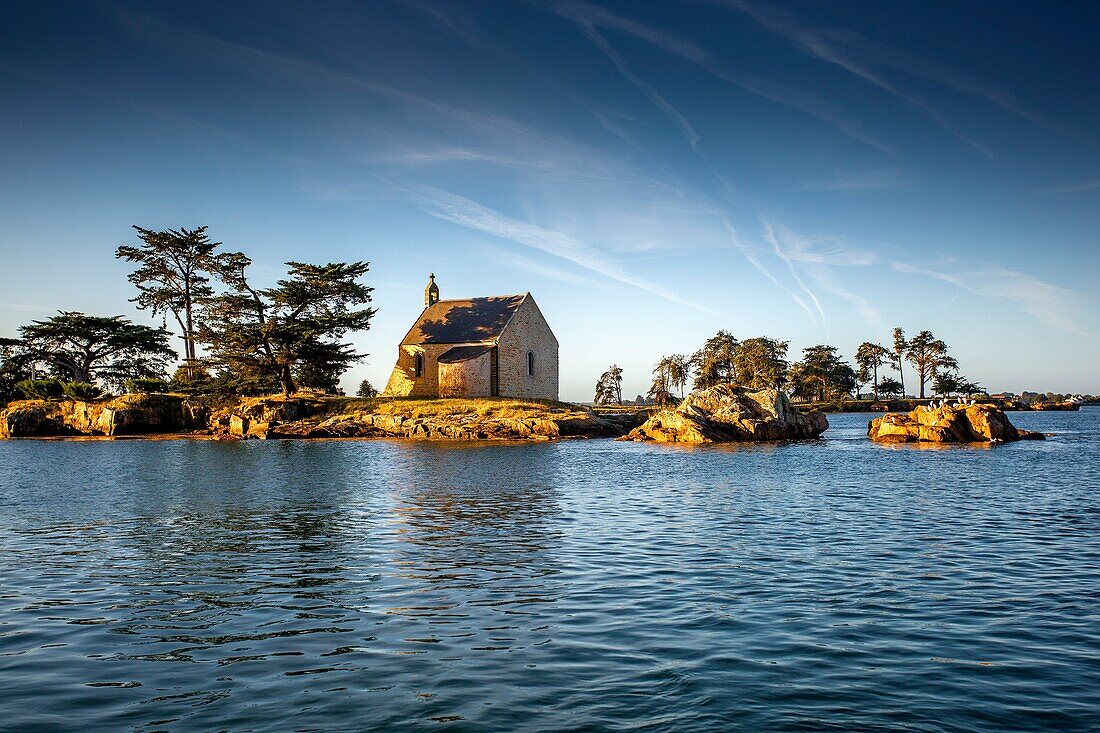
716 415
307 417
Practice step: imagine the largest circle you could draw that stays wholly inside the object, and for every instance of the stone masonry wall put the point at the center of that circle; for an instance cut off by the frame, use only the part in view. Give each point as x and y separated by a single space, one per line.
528 331
403 383
470 378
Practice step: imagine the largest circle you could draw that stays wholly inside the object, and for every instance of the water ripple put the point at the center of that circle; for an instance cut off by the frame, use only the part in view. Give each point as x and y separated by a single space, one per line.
837 585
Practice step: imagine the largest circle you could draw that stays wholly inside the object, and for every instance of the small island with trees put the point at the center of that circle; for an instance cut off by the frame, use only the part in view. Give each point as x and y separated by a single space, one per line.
266 362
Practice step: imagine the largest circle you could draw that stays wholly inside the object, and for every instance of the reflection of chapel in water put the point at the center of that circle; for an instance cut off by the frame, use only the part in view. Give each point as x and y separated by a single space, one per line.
477 347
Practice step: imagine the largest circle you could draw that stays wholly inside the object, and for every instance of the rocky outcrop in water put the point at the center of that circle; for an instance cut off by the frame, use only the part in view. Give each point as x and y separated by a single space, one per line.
297 417
310 416
33 418
131 414
725 414
977 423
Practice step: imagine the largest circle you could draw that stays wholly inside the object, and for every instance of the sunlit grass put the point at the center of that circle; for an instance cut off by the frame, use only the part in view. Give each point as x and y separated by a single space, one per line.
488 407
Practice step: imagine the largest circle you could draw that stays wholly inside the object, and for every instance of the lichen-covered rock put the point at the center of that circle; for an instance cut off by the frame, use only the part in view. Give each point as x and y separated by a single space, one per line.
978 423
32 418
279 417
307 416
130 414
731 414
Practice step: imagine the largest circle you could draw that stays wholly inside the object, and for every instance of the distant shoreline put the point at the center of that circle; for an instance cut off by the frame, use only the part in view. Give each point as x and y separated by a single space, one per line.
910 404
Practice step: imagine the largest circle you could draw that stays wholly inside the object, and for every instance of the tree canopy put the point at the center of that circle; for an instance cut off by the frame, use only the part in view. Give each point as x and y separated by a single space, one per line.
173 276
671 372
821 374
714 363
291 333
761 363
929 355
898 360
869 357
108 348
14 368
891 386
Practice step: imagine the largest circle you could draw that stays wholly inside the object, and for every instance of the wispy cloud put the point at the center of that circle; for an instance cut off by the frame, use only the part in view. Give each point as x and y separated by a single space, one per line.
655 97
908 63
588 17
229 136
604 18
769 235
218 50
531 266
1049 303
860 56
808 103
753 258
803 101
472 215
29 308
818 258
437 131
821 250
1079 187
444 154
453 22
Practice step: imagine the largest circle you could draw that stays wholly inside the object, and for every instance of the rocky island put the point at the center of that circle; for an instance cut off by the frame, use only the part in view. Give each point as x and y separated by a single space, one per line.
718 414
948 423
725 414
306 415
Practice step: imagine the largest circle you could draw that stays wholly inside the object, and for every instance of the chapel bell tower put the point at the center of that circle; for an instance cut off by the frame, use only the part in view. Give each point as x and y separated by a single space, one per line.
431 293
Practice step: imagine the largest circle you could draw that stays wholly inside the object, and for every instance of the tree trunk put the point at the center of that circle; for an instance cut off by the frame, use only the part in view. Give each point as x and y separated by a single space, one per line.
874 385
189 339
286 379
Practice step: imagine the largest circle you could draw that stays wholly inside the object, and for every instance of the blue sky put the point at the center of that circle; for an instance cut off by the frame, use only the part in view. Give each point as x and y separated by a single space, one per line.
651 172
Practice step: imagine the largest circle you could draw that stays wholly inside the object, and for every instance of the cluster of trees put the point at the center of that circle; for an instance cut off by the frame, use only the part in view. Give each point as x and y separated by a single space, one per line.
928 356
237 337
822 374
75 353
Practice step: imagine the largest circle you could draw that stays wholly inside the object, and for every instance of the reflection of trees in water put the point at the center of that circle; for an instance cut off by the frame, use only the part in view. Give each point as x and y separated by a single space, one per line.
206 565
480 528
475 526
244 552
285 505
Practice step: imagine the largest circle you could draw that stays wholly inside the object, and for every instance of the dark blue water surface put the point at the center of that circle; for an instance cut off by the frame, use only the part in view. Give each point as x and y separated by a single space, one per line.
344 585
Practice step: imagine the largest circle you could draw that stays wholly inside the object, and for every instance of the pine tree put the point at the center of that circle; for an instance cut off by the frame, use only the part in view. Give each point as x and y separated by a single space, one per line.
172 277
291 332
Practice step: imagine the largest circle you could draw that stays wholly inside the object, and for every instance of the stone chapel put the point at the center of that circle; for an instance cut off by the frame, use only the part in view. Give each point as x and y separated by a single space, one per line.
477 347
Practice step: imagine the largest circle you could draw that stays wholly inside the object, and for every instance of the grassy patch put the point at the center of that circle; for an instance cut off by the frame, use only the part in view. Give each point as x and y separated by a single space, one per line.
492 407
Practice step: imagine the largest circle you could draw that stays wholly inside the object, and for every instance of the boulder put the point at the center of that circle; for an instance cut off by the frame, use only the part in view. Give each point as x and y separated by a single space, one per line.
978 423
725 413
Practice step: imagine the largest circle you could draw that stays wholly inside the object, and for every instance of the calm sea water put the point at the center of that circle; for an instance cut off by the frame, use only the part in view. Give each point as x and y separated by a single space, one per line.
837 585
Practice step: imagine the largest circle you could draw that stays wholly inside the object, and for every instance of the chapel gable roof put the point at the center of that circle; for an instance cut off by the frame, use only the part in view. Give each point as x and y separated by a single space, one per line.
468 320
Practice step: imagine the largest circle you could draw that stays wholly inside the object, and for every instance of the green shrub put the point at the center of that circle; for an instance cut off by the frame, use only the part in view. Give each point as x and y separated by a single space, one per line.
81 391
41 389
146 386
